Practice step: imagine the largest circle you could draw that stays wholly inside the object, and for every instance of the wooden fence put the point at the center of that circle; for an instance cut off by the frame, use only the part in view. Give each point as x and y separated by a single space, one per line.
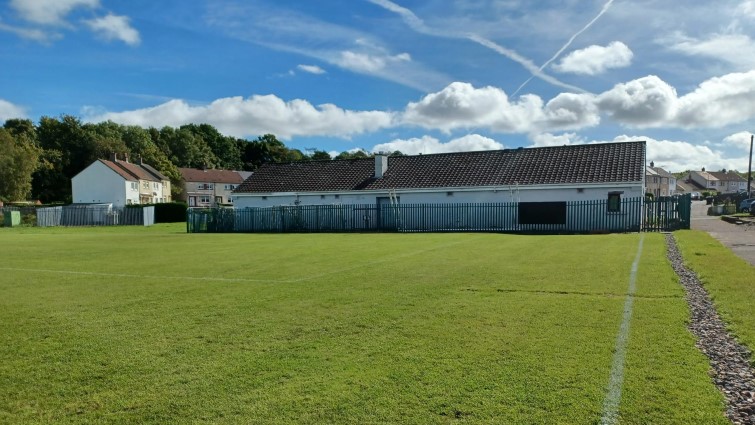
630 215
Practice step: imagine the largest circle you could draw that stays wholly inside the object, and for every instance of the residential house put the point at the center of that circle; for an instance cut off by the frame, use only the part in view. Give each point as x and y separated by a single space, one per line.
610 171
723 182
210 188
120 182
659 182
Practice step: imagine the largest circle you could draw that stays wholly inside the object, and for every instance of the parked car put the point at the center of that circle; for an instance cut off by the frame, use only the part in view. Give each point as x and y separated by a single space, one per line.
745 205
696 196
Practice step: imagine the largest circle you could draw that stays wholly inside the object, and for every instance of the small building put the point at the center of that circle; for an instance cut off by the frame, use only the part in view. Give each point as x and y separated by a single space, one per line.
120 182
210 188
609 171
659 182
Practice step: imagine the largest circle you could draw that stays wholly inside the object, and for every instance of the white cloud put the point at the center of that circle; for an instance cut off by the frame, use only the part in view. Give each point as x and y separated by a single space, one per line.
312 69
645 102
31 33
739 140
735 49
49 12
548 139
369 63
747 8
9 110
113 27
595 60
718 102
676 156
258 115
427 144
460 105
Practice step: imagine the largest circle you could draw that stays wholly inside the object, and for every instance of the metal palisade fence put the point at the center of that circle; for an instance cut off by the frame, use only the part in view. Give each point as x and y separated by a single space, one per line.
95 215
596 216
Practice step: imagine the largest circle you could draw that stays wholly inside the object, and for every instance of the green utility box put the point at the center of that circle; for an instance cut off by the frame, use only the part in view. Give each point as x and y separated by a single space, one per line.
12 218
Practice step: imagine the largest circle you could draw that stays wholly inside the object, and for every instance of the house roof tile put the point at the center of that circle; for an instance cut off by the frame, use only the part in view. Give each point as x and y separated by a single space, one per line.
123 173
211 176
576 164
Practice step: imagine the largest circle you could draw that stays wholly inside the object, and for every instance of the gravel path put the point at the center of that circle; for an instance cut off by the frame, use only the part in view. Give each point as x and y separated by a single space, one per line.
732 372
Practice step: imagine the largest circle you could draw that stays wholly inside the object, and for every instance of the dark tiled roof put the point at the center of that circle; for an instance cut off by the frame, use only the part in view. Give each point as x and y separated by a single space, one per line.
136 171
152 170
661 172
595 163
210 176
123 173
728 177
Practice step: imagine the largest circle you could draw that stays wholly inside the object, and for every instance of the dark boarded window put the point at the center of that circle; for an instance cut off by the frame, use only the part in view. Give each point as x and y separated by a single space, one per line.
542 213
614 202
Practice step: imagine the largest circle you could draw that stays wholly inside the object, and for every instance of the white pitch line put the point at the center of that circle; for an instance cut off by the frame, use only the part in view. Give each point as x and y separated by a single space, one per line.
613 392
240 279
142 276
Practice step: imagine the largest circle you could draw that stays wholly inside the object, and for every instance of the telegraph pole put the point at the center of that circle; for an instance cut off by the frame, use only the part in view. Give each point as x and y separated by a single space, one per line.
749 170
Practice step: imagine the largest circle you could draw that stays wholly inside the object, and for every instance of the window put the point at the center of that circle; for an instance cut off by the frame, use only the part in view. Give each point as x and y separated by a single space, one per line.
204 199
155 185
134 186
145 185
614 202
230 186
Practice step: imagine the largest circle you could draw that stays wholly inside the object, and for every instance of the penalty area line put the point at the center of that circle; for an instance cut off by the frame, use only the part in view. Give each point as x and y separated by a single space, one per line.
613 392
142 276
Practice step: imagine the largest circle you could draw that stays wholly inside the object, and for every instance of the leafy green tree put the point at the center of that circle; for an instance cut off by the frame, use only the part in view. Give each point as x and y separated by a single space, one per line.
319 155
18 160
353 155
224 148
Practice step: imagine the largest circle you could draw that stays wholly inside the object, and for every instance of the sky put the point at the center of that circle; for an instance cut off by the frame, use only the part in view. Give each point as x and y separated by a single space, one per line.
383 75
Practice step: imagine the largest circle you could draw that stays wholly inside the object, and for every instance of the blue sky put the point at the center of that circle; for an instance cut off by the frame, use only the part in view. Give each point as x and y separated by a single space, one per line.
418 76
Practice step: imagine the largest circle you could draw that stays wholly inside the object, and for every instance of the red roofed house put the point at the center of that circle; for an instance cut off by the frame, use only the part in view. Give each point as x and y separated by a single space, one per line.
210 188
120 182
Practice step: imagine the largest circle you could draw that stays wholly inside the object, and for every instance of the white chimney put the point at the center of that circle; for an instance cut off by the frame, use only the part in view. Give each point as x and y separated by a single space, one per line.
381 165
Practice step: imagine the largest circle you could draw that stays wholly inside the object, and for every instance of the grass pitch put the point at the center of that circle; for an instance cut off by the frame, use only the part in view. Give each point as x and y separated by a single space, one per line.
152 325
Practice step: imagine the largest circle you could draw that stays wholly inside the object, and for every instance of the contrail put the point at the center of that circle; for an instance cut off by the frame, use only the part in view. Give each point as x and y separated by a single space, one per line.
568 43
419 26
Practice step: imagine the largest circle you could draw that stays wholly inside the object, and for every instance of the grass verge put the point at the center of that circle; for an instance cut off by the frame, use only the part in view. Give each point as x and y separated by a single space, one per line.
729 280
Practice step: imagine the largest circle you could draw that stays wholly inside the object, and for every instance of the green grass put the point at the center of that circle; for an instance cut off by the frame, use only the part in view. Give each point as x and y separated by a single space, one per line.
730 281
155 325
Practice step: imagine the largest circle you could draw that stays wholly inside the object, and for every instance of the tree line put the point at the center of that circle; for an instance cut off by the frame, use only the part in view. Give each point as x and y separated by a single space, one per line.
38 161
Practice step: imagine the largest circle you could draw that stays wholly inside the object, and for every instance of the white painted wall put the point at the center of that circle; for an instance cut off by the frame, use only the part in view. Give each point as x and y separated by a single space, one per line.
551 193
99 184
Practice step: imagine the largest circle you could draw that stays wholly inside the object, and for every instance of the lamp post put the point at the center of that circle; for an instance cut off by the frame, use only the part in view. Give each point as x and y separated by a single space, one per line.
749 170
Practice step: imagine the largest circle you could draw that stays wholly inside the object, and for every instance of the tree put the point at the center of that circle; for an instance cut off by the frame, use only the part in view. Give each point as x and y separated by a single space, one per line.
319 155
18 160
224 148
358 154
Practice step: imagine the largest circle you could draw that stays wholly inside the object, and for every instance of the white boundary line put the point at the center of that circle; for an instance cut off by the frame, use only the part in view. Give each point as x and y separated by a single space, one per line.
143 276
240 279
613 392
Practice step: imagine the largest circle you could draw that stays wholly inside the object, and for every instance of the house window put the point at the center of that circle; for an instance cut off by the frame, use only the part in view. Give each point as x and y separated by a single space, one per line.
134 186
204 199
614 202
449 194
145 185
230 186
